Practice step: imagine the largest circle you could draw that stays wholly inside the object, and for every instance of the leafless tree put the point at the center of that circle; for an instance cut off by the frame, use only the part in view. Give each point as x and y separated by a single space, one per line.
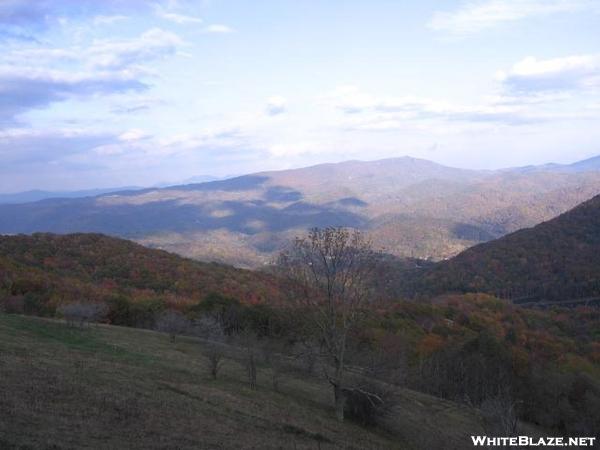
173 323
370 402
330 277
211 330
274 355
500 414
249 342
83 313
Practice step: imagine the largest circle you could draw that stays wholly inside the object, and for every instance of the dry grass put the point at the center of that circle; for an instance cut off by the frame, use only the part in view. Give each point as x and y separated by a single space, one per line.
117 388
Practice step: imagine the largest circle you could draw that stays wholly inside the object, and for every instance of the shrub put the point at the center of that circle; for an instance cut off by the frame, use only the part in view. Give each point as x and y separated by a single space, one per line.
13 304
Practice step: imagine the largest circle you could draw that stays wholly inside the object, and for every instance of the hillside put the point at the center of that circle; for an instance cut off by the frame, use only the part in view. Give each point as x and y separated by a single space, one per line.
113 387
42 271
436 360
555 260
411 207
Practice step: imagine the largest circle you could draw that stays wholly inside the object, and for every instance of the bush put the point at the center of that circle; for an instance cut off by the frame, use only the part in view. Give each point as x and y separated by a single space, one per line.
13 304
34 303
119 311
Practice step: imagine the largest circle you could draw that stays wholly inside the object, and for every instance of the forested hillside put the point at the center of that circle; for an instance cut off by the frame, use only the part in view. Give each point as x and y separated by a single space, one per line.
466 348
555 260
40 272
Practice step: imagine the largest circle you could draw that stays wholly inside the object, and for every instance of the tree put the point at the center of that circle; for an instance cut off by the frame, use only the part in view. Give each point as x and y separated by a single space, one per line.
330 277
83 313
214 346
249 342
173 323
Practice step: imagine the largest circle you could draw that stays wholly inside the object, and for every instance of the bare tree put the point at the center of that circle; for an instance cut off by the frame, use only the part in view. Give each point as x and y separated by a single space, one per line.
500 415
249 342
273 354
172 322
214 351
330 273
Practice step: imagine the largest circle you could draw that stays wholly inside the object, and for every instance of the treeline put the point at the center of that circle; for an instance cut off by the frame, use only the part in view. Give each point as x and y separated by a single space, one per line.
541 367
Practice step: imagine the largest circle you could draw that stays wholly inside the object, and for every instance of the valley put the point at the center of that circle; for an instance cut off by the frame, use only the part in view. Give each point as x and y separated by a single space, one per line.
410 208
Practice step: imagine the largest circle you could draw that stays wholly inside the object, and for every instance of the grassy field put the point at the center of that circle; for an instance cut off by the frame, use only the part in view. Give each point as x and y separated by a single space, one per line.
106 387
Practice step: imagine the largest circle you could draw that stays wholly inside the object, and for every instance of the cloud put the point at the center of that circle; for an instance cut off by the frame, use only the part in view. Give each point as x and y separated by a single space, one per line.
104 54
276 105
107 66
180 19
219 29
532 75
26 18
475 16
23 12
27 147
108 20
25 89
386 113
134 104
117 54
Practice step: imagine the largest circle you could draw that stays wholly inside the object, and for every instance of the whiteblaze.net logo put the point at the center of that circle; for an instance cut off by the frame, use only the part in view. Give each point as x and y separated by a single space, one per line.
526 441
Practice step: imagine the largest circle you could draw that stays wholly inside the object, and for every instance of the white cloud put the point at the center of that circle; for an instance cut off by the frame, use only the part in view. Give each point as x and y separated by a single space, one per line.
557 74
28 147
29 78
475 16
181 19
25 88
116 54
276 105
105 54
134 134
218 28
108 20
369 112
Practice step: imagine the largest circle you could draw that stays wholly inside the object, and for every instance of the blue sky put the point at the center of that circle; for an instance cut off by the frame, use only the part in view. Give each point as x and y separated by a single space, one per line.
132 92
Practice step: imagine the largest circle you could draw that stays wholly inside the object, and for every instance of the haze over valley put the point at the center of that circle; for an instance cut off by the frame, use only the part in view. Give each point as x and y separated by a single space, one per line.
410 207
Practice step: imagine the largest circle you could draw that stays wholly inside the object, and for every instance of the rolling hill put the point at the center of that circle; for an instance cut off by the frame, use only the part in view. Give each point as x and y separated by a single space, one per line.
553 261
38 273
411 207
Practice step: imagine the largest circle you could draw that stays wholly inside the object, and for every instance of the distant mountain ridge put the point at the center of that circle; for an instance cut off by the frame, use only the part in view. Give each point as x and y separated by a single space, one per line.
411 207
585 165
37 195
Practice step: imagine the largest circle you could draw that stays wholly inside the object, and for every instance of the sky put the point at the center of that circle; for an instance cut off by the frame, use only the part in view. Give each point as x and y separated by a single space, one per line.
110 93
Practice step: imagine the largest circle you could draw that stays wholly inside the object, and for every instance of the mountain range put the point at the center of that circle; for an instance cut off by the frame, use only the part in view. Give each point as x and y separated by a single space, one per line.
37 195
410 207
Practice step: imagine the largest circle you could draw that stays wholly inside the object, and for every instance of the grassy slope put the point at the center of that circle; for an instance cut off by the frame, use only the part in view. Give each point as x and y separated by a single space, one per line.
112 387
